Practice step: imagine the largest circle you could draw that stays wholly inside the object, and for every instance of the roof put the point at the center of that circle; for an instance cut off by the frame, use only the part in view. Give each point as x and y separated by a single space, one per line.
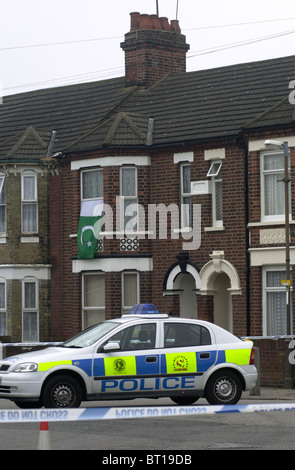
282 114
70 111
183 108
30 145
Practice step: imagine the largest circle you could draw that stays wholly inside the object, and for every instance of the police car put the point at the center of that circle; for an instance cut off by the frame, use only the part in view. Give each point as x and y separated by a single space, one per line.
147 355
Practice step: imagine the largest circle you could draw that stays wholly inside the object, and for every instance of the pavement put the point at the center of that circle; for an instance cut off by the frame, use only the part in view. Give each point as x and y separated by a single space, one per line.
270 394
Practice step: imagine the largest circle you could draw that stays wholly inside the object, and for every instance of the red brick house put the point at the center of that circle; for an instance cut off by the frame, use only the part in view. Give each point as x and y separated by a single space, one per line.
184 148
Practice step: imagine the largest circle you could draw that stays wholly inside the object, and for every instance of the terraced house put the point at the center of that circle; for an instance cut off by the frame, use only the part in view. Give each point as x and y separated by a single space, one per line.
193 210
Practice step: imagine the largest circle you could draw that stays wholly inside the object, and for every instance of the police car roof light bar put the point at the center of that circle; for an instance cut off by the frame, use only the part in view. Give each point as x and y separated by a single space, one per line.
138 309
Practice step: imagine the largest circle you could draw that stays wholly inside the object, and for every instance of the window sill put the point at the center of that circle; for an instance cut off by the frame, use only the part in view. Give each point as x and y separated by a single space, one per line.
183 230
219 228
3 238
269 223
29 239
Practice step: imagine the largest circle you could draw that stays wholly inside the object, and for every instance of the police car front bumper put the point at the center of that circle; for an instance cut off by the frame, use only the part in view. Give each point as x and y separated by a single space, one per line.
20 385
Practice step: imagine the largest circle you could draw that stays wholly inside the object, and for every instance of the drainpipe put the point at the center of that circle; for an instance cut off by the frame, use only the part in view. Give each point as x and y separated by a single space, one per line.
244 147
246 200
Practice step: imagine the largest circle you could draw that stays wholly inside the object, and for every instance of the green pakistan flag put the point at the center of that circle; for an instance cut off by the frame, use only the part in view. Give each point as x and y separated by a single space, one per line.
89 228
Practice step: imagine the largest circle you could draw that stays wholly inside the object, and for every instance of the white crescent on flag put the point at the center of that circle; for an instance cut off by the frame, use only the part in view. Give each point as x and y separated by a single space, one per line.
87 227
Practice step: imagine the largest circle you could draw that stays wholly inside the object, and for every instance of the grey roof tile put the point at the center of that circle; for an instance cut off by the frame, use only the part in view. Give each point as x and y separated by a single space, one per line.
194 106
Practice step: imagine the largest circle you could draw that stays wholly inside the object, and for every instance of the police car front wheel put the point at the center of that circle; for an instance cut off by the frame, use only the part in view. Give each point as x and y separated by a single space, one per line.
184 400
223 388
62 391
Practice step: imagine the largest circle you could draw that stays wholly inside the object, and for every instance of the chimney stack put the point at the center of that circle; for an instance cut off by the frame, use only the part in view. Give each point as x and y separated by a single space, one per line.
153 48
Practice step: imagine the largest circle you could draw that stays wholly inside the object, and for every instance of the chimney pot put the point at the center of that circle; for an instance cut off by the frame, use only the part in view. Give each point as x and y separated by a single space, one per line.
165 23
175 26
145 22
156 23
134 20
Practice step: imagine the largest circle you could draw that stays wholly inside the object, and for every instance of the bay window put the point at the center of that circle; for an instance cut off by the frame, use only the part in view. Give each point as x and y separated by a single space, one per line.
2 205
130 290
3 313
30 301
29 203
129 198
93 299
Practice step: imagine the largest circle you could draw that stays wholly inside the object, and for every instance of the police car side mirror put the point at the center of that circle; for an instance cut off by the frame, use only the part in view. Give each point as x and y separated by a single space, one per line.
109 347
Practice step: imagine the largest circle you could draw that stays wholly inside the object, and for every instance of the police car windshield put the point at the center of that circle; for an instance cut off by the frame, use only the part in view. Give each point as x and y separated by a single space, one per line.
90 335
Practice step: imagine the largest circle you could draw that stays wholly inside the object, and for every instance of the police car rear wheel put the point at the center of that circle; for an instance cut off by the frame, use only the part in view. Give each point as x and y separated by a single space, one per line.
223 388
62 392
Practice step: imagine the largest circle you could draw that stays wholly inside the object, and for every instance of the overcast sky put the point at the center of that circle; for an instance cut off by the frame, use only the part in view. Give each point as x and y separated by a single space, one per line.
57 42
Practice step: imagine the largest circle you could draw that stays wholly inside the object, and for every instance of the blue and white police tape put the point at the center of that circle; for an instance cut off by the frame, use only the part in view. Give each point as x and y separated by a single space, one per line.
92 414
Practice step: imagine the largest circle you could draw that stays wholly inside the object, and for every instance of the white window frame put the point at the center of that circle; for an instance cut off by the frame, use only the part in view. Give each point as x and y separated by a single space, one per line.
32 201
3 309
214 173
270 289
89 170
214 169
132 198
34 309
85 308
184 196
263 174
3 200
126 308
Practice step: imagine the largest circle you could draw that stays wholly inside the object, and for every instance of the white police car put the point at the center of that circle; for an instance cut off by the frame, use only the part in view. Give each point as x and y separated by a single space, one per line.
137 355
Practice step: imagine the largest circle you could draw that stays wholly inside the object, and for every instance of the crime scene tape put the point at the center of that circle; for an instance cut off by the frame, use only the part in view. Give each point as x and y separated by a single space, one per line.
86 414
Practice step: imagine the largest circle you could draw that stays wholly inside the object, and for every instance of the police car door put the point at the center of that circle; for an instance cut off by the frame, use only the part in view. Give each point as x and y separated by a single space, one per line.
189 353
128 364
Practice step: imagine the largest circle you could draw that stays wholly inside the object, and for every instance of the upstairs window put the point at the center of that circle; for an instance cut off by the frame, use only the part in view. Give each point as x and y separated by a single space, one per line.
92 184
29 194
185 185
129 199
2 205
272 187
215 174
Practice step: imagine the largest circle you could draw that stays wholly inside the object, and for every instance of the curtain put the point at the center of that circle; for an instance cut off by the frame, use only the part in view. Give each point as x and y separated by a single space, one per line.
218 200
94 299
30 328
274 190
92 184
130 290
29 208
275 303
2 206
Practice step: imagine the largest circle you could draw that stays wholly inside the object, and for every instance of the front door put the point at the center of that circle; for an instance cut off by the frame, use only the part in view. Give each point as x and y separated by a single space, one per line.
132 370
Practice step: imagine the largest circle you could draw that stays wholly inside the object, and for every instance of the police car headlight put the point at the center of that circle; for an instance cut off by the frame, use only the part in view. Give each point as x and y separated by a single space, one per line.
25 367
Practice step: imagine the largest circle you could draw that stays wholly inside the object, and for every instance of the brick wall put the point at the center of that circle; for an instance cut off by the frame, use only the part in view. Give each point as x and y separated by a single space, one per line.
23 255
159 183
274 362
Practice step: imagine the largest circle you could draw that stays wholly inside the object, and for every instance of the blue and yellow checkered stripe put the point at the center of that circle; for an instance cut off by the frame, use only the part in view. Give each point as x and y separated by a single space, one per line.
168 363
